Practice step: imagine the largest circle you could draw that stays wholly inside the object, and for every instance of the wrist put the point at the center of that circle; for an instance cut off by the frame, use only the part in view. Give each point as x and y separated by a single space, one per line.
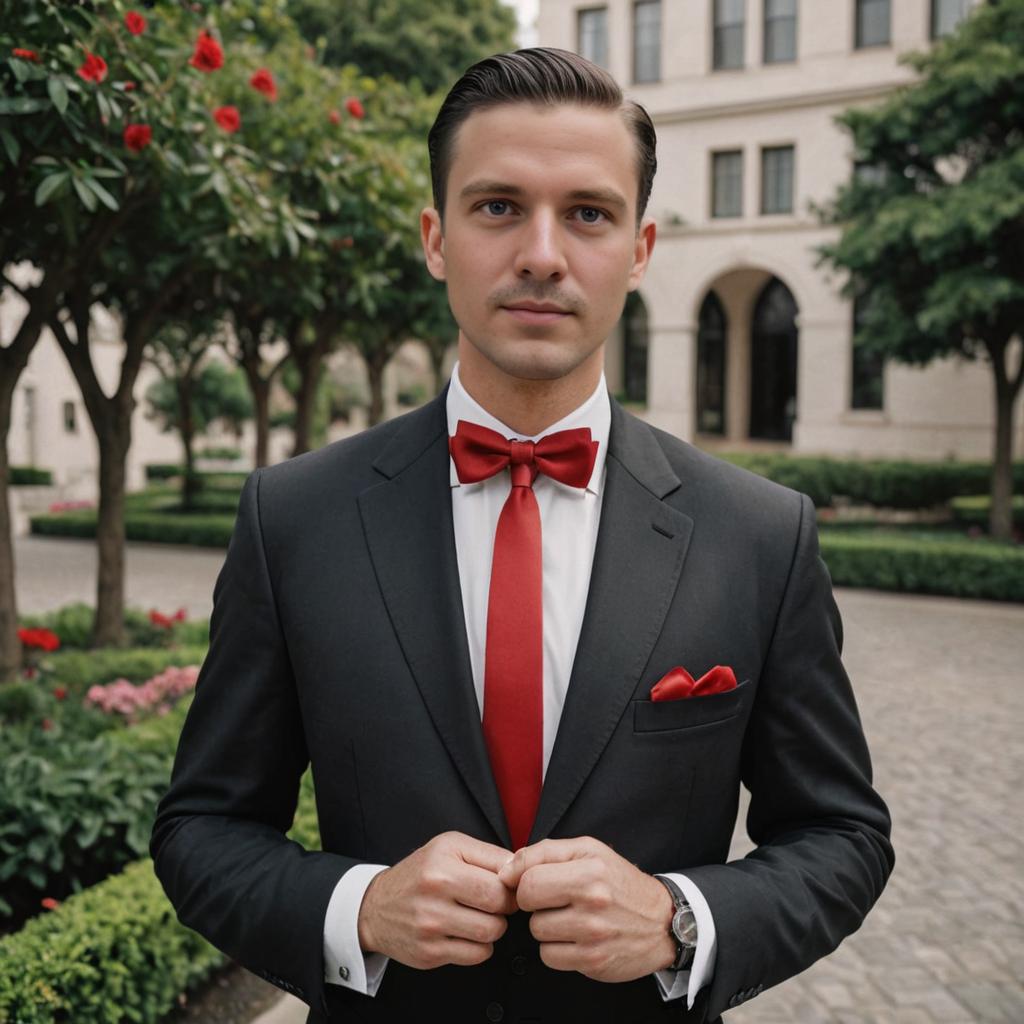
682 926
365 920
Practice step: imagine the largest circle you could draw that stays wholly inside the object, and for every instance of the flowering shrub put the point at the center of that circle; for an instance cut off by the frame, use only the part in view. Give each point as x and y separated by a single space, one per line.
42 639
94 68
208 55
166 621
70 506
228 119
137 137
263 81
157 694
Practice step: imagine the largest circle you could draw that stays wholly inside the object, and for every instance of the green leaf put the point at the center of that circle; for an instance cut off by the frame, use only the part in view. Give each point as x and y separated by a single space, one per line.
11 146
87 196
58 93
23 105
102 194
49 185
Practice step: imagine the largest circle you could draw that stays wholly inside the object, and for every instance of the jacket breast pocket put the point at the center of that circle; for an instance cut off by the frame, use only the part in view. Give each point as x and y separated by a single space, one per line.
689 712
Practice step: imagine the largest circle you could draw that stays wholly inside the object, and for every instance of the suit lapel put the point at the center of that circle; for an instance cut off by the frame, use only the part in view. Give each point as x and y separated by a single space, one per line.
641 545
407 520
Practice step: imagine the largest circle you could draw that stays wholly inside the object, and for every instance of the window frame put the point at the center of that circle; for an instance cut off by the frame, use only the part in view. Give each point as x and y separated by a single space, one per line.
858 43
715 27
766 20
637 4
777 148
581 13
714 155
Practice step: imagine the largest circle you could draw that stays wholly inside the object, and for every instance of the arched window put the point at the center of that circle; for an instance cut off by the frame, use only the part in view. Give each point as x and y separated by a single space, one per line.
711 338
773 348
634 348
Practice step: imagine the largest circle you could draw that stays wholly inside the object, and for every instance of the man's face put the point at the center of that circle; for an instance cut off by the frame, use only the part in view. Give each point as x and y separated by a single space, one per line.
541 211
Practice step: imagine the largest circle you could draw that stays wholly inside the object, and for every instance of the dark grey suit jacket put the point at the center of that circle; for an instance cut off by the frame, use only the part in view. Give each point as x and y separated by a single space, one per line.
338 638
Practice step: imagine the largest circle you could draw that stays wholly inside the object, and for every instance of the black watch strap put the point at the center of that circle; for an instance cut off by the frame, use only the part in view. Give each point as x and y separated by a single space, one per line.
683 927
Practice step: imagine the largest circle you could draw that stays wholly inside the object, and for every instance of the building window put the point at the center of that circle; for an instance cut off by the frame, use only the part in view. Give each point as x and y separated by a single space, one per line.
867 373
947 14
777 179
873 18
711 337
592 34
647 41
634 348
773 363
779 31
728 42
727 183
70 420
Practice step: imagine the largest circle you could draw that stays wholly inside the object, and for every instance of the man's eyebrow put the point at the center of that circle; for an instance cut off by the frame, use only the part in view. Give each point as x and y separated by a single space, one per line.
606 196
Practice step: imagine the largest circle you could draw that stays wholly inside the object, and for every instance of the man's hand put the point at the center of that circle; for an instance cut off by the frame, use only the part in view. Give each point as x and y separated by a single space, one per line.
592 911
443 904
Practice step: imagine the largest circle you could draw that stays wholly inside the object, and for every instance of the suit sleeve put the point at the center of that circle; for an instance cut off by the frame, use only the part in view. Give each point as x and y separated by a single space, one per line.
218 842
822 832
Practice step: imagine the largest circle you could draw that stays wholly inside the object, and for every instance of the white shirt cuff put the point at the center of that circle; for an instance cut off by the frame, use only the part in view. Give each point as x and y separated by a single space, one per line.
674 984
345 963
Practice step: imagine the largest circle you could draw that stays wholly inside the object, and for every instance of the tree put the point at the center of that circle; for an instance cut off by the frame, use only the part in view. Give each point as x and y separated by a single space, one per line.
406 39
932 221
191 394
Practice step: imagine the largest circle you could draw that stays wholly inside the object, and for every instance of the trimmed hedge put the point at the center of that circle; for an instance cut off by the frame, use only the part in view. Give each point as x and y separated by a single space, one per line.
974 509
925 564
163 470
78 670
29 476
886 483
114 952
208 531
73 625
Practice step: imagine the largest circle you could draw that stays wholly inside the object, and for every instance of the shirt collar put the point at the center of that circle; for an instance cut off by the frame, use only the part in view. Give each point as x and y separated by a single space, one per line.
595 413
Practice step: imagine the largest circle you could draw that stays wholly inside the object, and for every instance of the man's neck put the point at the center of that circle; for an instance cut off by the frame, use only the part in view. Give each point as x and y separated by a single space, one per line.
529 407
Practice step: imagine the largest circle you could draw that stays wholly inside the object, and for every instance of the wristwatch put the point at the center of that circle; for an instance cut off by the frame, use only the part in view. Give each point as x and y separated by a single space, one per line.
683 928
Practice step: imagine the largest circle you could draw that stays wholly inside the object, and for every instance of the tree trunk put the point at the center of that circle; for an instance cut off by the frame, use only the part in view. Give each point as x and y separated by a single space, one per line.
375 371
14 359
114 441
186 427
437 366
260 389
305 402
1000 523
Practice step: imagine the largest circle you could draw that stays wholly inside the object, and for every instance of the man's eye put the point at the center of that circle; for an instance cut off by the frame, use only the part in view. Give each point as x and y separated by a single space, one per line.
490 204
590 214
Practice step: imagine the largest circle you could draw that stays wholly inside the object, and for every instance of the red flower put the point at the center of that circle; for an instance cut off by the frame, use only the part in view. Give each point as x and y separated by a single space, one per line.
25 54
41 638
334 117
354 107
60 692
93 69
135 23
49 903
263 81
208 55
137 137
228 119
159 619
128 86
179 615
47 725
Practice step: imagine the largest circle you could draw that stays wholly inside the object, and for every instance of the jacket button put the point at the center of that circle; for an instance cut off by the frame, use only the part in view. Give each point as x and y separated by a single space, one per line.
519 964
343 972
495 1012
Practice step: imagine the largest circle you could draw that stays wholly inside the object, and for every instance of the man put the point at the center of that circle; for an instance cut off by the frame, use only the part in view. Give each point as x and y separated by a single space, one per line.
459 617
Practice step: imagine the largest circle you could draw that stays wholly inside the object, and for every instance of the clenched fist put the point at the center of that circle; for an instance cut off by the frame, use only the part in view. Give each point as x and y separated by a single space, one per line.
443 904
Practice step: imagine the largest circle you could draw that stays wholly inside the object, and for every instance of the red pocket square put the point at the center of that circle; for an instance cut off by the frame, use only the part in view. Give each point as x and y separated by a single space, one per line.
677 683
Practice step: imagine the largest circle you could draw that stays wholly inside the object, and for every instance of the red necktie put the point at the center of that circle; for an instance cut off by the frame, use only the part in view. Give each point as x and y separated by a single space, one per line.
514 658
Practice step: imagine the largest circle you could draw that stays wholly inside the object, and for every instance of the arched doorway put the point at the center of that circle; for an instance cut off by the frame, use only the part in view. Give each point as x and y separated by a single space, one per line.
773 353
634 348
712 331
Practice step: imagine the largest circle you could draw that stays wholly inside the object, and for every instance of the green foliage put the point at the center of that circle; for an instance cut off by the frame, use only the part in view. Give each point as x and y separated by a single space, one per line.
974 509
78 670
211 531
215 453
111 953
163 471
408 40
73 624
29 476
218 392
924 564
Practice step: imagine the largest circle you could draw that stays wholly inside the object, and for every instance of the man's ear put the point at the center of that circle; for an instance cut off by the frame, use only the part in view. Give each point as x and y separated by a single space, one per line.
432 237
642 252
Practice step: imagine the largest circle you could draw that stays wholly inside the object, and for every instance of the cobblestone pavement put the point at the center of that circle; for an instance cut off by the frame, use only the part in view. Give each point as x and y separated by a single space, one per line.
940 684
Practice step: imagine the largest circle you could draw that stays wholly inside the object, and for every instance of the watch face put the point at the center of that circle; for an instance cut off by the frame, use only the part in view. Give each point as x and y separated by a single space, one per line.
684 926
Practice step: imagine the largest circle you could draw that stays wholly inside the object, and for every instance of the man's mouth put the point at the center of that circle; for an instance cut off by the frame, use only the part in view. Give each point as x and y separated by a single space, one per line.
536 312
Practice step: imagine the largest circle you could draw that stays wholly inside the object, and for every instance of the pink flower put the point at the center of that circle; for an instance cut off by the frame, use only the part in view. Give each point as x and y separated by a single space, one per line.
334 117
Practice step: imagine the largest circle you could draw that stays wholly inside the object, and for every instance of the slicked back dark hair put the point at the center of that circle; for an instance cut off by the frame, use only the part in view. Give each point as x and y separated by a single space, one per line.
540 75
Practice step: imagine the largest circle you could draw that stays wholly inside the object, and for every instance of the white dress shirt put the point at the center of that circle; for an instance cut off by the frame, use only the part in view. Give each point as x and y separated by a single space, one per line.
569 522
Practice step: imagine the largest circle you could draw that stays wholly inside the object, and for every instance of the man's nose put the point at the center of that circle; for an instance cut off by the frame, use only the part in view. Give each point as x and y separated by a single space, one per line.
541 253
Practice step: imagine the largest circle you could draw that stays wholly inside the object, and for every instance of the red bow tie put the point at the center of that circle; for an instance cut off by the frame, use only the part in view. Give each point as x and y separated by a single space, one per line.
567 455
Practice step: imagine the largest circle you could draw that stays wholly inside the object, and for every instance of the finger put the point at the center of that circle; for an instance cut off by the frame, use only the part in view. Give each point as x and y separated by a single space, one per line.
481 890
464 953
548 886
460 922
560 956
547 851
554 925
480 854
